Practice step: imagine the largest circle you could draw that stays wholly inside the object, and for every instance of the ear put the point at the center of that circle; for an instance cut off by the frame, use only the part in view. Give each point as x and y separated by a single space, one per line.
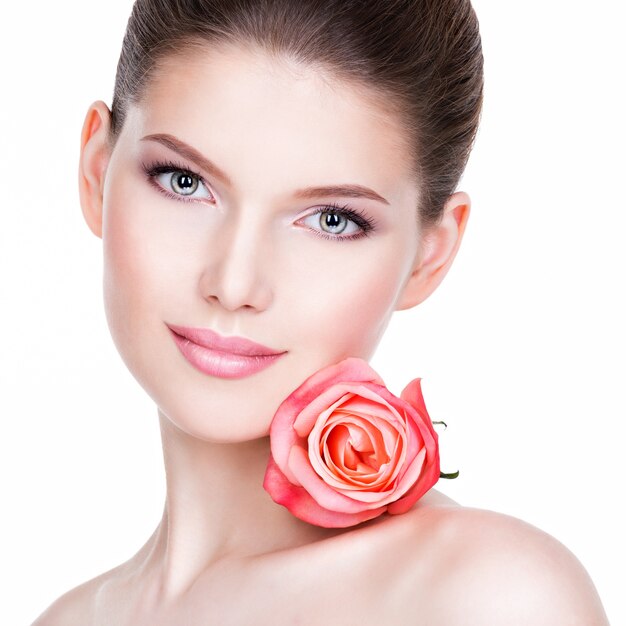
94 158
439 247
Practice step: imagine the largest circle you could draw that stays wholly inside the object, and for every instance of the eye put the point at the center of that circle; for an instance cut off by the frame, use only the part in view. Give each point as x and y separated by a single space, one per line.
339 223
177 182
182 183
335 223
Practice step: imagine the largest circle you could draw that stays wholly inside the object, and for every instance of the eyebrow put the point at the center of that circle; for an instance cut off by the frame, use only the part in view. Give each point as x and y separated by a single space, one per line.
189 152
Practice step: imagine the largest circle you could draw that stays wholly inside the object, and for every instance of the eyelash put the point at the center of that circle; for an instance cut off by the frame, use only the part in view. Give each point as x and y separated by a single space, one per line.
360 218
365 223
166 167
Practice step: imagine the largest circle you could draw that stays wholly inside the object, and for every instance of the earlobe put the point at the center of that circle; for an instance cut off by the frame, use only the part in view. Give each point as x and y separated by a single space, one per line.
440 246
94 158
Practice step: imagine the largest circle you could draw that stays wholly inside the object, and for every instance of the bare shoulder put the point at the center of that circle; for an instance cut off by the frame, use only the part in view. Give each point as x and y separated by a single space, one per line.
483 567
76 606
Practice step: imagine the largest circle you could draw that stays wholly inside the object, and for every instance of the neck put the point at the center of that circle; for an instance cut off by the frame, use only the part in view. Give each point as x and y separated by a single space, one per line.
215 509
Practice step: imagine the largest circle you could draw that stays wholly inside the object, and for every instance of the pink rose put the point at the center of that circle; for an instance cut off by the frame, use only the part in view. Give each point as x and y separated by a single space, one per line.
344 449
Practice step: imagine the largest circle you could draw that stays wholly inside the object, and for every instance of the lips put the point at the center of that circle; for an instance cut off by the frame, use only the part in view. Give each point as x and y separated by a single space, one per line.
233 345
224 357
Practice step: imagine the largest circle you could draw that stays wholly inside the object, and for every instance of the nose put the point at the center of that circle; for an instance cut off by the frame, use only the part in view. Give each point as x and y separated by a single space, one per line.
238 267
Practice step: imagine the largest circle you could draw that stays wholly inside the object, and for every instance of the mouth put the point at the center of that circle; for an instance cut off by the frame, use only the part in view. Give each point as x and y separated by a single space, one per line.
224 357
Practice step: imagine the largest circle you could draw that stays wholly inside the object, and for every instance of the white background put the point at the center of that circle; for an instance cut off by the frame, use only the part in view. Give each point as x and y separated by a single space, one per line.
521 349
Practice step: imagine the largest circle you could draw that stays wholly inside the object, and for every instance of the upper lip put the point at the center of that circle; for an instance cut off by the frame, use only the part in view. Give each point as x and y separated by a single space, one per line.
214 341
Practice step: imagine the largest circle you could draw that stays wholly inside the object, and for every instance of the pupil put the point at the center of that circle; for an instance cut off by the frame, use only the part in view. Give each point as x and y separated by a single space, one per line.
185 181
333 220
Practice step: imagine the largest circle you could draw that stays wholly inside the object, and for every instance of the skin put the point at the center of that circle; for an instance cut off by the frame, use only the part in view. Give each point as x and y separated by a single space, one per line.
247 259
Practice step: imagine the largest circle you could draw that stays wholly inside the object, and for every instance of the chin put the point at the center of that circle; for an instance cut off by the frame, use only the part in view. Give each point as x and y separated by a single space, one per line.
213 423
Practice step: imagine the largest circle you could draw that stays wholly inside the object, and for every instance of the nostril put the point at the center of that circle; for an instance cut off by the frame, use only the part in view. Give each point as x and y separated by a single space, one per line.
235 288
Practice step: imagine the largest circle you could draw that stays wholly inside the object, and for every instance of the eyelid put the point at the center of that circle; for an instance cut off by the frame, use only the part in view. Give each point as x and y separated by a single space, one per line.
364 222
158 167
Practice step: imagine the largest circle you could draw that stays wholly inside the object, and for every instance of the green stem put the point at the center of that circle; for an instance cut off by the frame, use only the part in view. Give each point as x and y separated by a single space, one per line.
452 475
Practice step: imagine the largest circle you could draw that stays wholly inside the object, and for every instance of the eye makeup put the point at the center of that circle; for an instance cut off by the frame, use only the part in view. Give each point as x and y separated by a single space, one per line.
155 169
365 223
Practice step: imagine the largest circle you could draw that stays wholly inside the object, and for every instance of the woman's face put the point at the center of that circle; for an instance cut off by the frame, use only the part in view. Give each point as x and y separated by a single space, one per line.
245 252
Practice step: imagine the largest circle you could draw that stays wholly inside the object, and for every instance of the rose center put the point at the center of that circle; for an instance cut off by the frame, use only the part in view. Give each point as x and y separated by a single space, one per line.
353 449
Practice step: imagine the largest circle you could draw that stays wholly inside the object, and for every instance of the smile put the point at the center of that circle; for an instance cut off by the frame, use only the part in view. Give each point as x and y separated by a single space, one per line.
220 362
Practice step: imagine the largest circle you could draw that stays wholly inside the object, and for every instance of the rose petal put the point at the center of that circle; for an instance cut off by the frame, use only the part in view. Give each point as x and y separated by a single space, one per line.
380 433
309 416
368 425
368 450
426 481
340 454
374 400
283 435
309 420
319 410
328 497
302 505
351 371
395 465
412 394
342 477
370 498
375 406
360 438
336 446
374 435
386 497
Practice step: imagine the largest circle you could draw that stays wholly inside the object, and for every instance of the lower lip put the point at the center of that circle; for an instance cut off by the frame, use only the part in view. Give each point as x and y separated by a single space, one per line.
222 364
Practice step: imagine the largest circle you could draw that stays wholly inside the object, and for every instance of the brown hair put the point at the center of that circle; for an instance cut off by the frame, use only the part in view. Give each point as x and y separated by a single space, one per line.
422 59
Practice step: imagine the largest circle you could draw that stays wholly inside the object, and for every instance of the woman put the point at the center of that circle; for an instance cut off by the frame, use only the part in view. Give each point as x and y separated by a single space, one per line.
285 173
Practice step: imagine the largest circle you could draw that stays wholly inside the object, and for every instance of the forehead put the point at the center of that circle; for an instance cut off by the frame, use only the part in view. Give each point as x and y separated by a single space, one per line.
247 109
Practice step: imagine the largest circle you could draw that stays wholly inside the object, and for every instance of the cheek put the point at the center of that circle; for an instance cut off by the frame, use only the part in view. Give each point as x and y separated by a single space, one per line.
140 266
347 302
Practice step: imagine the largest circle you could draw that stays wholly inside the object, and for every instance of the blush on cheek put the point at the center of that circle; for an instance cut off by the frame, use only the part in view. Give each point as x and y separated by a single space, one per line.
127 258
356 307
372 318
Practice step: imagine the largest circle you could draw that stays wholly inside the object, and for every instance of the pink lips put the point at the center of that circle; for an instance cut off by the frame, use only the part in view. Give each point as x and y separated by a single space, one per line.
226 357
